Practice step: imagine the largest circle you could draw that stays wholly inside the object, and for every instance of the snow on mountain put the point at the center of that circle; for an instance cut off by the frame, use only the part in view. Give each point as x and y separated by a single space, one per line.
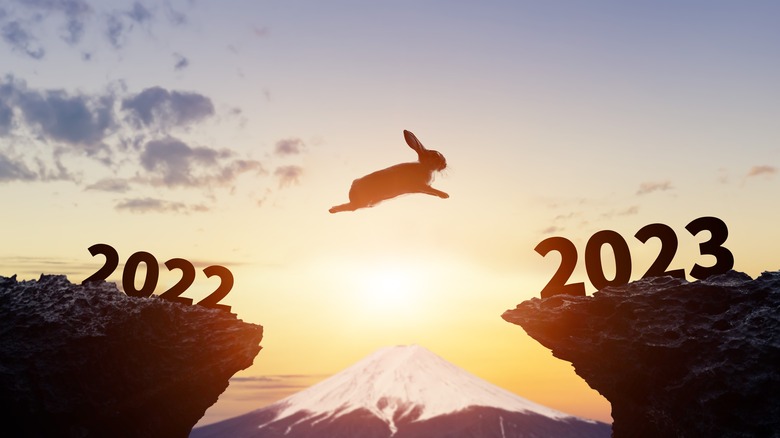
400 378
404 392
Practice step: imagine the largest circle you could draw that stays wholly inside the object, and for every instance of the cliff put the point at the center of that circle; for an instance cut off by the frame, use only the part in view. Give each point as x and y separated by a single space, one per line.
675 359
87 360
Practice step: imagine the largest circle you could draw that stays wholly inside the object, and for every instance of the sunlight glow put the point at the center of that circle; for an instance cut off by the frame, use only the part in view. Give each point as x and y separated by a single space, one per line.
393 288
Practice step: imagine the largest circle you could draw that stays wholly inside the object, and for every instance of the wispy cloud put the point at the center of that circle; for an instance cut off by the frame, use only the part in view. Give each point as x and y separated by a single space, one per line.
763 170
552 229
33 267
149 205
139 13
15 170
115 185
288 175
289 146
269 388
21 25
181 62
630 211
20 40
261 31
657 186
174 163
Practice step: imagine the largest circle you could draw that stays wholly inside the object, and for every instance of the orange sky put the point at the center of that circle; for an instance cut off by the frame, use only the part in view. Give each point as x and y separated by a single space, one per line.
556 118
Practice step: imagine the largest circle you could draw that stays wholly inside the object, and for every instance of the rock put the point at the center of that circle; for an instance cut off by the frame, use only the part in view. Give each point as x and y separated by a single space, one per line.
675 359
89 361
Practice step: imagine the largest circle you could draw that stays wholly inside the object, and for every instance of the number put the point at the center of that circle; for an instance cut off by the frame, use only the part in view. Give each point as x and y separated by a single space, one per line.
719 232
187 278
224 287
593 259
557 284
152 274
112 261
668 249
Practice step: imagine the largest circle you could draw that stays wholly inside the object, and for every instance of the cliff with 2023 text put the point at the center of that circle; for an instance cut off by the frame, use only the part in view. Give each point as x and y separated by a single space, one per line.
674 358
88 360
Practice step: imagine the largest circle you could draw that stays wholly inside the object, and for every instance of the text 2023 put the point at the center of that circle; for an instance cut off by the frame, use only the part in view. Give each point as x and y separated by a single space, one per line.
153 274
719 232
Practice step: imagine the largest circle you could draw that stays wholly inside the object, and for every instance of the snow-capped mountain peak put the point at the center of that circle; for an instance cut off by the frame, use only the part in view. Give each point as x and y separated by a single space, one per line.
404 392
403 382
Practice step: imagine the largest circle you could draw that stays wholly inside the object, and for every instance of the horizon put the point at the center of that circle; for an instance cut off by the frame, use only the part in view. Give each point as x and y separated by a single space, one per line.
222 132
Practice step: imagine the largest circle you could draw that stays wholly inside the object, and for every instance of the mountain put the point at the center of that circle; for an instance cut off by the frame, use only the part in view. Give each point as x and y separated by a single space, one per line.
404 392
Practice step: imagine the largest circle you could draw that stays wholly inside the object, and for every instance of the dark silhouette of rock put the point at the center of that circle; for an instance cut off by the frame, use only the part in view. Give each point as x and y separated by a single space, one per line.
89 361
675 359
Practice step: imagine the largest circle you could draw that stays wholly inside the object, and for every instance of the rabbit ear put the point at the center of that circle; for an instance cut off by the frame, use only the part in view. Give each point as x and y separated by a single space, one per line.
412 141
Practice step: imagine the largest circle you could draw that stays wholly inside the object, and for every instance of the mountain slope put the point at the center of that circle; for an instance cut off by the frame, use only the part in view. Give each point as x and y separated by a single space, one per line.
404 392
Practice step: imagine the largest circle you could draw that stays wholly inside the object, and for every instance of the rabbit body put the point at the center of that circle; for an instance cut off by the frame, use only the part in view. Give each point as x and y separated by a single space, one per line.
397 180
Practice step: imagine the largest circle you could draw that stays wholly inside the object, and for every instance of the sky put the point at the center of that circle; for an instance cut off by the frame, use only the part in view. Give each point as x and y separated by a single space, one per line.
222 132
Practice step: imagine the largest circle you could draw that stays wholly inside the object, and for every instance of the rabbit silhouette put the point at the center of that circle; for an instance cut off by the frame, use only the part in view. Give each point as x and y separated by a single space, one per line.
414 177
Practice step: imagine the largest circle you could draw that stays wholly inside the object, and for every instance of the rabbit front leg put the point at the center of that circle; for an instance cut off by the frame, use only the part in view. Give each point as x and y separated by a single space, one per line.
435 192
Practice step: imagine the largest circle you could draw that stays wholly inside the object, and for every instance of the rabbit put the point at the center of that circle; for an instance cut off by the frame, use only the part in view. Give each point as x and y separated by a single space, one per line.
397 180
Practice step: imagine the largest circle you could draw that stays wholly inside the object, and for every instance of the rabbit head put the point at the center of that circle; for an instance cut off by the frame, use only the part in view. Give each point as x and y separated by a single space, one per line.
431 159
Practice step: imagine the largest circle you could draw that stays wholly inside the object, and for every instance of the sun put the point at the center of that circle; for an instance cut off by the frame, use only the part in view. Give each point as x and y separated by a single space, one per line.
390 288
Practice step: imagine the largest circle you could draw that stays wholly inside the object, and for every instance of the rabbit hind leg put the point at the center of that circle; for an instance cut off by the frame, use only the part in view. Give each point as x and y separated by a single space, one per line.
343 207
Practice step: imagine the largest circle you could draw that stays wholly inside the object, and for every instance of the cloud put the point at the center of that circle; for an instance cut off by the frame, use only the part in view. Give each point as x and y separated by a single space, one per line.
75 31
261 32
761 170
288 175
44 133
72 9
21 40
174 163
115 31
116 185
174 16
22 25
75 120
139 13
268 388
33 267
650 187
181 62
630 211
55 115
152 205
120 23
723 176
74 12
157 106
15 170
6 118
552 229
289 146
